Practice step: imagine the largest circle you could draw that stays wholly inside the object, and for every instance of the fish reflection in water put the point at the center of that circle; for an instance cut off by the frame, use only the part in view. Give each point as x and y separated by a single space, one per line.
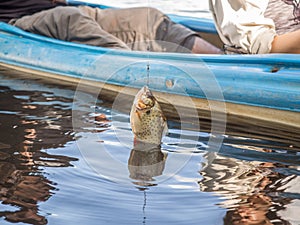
27 128
253 190
146 162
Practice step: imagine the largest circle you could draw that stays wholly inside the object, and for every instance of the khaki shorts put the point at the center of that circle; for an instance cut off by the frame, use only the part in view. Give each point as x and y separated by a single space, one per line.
142 28
139 29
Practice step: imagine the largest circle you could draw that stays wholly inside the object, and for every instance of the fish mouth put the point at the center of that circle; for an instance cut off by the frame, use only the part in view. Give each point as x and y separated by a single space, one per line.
144 99
145 91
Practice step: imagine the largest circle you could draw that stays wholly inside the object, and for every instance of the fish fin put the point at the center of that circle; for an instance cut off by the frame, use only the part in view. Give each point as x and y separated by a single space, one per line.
165 125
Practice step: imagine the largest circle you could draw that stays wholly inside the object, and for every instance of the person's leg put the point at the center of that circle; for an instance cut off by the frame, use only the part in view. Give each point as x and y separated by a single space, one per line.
134 26
203 47
69 24
145 27
182 39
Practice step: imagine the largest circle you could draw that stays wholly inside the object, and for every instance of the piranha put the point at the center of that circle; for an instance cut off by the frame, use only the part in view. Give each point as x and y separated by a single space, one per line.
147 120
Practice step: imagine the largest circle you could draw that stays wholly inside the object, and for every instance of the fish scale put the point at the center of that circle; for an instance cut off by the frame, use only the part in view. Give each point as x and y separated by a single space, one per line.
147 120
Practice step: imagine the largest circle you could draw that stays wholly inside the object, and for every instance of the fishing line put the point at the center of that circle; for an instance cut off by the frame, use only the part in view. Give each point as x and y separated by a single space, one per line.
144 207
148 43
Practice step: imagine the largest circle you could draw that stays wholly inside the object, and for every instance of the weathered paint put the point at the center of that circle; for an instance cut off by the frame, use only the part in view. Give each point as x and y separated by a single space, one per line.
268 81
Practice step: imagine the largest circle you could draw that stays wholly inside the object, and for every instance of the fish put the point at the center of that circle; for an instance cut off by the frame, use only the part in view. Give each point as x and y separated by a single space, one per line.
147 120
144 165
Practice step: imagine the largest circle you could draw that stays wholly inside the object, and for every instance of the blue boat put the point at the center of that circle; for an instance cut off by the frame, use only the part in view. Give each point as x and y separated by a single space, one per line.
258 87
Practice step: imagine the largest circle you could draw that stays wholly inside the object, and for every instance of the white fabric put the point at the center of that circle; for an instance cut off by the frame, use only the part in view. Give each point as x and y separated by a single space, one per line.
241 24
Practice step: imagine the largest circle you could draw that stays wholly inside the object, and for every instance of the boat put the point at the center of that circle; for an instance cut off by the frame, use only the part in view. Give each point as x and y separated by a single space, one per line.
240 88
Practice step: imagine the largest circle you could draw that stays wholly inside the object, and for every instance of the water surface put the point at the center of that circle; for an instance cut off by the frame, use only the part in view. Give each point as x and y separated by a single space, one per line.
60 165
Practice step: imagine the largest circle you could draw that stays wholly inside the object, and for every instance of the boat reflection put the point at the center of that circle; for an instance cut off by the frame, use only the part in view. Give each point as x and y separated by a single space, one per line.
146 162
30 124
253 190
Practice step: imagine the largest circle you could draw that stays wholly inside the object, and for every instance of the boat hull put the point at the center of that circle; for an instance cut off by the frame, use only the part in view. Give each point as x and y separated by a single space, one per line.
173 105
260 87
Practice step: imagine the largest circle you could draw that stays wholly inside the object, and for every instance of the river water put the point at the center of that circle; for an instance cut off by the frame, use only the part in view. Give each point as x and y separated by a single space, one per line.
67 157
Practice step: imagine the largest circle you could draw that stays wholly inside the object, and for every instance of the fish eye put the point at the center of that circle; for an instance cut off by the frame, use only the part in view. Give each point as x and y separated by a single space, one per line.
148 112
147 101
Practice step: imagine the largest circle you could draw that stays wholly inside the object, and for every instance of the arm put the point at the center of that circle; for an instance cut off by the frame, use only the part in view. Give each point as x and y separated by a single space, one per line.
241 23
286 43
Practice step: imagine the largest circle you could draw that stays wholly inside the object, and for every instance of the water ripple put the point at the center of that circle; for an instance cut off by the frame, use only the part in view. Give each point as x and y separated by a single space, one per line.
46 178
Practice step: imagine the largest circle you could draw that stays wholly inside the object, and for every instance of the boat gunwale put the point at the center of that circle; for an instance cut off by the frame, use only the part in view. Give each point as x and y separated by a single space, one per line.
261 59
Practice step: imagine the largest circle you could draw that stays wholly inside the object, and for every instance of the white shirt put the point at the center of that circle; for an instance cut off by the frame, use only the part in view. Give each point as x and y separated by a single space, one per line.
241 24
